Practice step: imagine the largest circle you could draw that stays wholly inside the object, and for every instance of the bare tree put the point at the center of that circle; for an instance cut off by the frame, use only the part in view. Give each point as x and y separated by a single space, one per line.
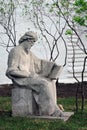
7 23
49 23
73 16
74 13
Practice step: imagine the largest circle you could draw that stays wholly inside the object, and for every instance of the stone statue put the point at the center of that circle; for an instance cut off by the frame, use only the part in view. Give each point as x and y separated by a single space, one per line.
36 76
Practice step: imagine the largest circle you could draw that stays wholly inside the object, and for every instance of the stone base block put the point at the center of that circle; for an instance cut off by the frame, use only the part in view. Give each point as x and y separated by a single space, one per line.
23 103
66 116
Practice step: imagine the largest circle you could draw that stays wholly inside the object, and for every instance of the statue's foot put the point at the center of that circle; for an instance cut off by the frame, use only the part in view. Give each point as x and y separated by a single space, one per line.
58 113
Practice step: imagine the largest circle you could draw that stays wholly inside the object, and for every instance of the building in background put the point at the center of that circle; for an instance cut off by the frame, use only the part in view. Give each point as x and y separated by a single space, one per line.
23 25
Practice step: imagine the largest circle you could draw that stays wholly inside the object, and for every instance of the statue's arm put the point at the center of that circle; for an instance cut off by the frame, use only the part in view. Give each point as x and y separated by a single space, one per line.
13 69
17 73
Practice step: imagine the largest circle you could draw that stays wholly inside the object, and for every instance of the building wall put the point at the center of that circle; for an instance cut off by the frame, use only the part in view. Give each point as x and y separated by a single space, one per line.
23 25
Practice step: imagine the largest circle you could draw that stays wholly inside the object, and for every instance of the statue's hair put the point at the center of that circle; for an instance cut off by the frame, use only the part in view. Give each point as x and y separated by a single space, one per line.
28 36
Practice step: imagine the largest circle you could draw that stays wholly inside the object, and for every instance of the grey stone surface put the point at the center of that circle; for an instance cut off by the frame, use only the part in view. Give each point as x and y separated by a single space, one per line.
22 102
66 116
34 80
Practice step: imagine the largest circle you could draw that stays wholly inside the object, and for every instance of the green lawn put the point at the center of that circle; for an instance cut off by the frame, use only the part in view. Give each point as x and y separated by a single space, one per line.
76 122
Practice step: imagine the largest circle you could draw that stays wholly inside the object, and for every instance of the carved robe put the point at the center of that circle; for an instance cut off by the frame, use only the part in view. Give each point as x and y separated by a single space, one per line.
27 70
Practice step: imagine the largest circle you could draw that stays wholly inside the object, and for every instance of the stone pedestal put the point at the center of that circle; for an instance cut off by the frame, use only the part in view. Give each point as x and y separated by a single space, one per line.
23 103
65 118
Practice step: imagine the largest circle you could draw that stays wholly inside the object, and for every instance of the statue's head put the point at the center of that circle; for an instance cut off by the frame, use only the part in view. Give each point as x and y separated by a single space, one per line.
28 37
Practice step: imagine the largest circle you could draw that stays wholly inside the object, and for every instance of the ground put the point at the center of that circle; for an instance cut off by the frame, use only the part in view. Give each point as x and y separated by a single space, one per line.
77 122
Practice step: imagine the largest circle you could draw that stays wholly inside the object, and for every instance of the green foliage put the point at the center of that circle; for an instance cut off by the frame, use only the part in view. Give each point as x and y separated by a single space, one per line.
51 10
64 3
81 12
47 4
6 6
80 20
81 3
68 32
5 103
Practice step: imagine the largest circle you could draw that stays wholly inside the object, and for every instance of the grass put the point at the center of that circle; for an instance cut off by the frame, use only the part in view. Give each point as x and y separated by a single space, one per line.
5 103
77 122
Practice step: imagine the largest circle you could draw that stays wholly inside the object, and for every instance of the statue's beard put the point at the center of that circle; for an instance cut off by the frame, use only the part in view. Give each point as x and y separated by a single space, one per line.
27 50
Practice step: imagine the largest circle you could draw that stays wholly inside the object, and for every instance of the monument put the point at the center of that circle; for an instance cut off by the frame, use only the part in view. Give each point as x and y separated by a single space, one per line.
34 92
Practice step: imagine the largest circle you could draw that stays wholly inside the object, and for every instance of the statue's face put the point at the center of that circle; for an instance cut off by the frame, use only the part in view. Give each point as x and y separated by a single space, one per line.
30 44
27 44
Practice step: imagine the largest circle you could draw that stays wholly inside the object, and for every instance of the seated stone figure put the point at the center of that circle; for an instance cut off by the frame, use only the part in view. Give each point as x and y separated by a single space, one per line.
33 79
